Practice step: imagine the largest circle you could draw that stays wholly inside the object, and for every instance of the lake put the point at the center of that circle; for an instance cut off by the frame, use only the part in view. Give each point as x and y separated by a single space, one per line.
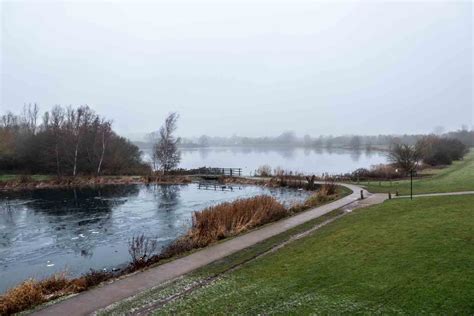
305 160
50 230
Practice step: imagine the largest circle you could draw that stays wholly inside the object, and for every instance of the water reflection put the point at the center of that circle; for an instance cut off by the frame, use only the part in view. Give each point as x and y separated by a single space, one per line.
57 219
45 231
356 154
204 153
167 196
307 160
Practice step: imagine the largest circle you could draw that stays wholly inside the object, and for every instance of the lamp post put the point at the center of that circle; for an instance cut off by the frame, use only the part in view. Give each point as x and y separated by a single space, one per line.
396 190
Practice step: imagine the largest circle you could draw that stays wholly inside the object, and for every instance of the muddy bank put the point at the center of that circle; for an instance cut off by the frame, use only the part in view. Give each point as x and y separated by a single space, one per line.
69 182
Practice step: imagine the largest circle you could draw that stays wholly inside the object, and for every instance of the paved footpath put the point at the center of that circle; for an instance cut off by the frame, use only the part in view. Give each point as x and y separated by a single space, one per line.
90 301
436 194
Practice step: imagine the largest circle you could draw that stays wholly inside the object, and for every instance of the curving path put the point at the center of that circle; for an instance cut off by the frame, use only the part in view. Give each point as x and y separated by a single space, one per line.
100 297
436 194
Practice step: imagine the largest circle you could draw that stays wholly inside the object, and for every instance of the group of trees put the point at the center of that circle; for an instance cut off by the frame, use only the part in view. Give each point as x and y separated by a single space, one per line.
345 141
68 141
435 150
285 138
431 150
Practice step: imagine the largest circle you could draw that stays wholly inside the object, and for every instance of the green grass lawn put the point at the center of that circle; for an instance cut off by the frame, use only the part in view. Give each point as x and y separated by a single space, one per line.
398 257
36 177
457 177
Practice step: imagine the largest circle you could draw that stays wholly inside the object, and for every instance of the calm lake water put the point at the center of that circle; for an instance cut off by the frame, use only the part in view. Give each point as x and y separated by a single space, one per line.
45 231
308 161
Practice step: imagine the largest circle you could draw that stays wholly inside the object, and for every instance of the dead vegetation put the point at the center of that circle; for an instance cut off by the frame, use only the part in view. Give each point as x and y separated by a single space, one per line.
158 178
209 226
28 182
263 171
327 192
33 292
141 249
231 218
225 220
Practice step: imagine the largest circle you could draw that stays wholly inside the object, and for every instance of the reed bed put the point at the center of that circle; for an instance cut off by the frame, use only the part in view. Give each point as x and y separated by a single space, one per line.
33 292
227 219
327 192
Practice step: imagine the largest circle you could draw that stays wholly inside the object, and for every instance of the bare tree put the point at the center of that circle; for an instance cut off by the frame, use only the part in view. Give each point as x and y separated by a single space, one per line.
165 151
77 122
56 123
30 117
76 132
105 132
405 157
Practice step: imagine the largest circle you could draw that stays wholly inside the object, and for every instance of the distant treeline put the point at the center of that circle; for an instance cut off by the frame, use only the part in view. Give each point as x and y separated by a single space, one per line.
346 141
65 141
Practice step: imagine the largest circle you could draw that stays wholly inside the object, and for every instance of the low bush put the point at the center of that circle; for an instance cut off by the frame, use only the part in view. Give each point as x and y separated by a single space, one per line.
21 297
327 192
376 172
263 171
288 179
437 151
328 188
31 293
141 249
92 278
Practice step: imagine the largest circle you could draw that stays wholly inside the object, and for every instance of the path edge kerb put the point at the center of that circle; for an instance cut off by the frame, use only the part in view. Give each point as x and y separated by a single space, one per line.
100 297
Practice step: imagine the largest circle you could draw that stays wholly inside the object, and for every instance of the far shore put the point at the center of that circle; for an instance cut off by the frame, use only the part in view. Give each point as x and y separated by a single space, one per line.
37 182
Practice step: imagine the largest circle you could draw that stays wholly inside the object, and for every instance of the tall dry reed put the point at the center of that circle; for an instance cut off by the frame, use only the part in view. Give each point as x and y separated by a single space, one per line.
227 219
33 292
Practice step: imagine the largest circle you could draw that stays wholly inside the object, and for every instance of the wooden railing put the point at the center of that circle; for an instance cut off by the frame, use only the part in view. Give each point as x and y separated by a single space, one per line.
232 172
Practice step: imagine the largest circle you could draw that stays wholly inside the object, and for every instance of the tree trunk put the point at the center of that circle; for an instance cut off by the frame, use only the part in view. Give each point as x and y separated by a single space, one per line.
102 154
74 171
57 161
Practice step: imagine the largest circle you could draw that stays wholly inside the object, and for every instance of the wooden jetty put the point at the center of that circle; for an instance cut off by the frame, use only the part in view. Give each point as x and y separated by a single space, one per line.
215 173
237 172
214 186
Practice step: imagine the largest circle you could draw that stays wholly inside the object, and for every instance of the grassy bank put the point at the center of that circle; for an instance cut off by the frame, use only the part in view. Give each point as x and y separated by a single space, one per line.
26 182
457 177
398 257
17 177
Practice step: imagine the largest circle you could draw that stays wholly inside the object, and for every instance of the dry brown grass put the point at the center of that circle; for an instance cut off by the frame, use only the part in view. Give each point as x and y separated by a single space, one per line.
31 293
328 188
227 219
21 297
327 192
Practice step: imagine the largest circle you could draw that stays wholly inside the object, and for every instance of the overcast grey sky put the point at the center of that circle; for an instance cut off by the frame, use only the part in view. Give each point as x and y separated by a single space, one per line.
245 67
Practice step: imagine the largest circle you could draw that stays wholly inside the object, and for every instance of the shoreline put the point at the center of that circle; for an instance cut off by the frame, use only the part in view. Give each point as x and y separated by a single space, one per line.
90 181
84 181
213 251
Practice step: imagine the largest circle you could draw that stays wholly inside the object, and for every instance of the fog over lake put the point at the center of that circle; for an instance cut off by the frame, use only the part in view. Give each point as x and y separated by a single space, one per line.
305 160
